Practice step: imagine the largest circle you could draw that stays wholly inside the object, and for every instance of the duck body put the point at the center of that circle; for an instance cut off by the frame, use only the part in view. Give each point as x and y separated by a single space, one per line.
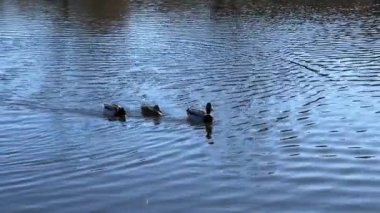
114 110
151 111
200 116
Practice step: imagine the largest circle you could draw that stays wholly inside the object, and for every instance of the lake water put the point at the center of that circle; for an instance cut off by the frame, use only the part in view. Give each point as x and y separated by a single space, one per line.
295 88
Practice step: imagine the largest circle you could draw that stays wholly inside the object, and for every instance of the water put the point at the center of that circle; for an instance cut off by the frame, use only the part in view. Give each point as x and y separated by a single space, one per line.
295 89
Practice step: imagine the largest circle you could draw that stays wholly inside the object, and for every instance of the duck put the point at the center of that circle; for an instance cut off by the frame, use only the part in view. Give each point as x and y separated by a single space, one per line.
151 111
114 110
199 115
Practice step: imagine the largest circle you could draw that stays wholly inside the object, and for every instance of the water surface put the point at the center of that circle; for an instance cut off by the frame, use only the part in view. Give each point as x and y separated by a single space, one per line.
295 89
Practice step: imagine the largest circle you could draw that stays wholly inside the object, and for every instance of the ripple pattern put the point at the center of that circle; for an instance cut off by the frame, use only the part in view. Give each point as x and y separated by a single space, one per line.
296 103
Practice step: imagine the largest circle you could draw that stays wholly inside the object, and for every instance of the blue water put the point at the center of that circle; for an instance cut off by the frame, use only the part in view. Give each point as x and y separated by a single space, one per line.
295 90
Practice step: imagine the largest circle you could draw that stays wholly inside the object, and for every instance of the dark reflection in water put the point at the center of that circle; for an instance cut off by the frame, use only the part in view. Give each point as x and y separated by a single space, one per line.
97 13
101 16
208 129
295 85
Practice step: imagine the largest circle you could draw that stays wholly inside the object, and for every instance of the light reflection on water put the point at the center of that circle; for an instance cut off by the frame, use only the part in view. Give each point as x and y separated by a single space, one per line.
294 88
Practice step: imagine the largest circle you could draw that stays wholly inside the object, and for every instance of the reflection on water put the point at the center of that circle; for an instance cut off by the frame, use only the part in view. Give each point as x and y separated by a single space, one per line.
100 15
295 85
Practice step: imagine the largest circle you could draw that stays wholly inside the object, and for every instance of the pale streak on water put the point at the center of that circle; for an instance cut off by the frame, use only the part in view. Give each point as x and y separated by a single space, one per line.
295 89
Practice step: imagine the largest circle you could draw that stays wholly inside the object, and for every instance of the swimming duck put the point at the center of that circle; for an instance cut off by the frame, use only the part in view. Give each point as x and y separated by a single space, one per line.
114 110
200 115
151 111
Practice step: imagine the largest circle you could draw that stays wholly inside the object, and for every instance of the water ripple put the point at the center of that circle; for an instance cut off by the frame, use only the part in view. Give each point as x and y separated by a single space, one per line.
295 98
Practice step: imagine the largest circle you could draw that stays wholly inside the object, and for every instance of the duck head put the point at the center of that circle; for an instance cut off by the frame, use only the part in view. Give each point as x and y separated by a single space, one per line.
120 112
208 108
157 108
